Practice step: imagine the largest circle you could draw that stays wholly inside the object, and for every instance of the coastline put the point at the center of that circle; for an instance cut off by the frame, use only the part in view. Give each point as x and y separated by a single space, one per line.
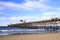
53 36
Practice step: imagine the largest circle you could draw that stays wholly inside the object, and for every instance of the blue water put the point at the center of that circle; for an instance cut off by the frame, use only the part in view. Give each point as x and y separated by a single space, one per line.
14 30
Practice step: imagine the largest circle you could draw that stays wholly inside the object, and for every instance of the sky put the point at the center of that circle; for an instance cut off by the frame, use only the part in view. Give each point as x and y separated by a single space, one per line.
12 11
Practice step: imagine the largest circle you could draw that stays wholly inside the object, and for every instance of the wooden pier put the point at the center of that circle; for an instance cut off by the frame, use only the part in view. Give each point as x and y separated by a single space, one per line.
51 22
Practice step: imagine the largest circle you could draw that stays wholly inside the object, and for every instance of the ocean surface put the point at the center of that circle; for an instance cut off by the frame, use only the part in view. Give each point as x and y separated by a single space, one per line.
13 30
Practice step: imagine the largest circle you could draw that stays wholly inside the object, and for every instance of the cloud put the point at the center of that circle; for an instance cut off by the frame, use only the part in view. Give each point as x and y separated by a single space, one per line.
49 15
9 4
1 8
14 18
58 8
7 20
38 0
1 12
27 18
3 18
28 5
34 5
43 1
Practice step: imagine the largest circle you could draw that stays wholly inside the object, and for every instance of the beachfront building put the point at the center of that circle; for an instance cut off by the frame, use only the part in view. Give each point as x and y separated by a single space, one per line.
38 24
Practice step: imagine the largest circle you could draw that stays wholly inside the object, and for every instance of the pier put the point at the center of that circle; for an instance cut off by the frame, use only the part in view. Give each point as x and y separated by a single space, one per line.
42 24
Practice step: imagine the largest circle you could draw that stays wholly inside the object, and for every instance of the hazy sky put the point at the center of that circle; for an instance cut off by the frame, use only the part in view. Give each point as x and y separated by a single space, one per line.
12 11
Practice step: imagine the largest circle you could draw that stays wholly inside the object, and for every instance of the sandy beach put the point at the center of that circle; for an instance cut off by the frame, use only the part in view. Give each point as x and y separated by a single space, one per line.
55 36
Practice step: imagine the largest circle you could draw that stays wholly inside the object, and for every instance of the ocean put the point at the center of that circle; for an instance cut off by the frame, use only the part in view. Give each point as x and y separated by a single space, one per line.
13 30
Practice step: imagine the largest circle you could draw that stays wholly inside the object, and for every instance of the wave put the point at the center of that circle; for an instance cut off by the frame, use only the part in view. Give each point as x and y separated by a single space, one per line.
22 31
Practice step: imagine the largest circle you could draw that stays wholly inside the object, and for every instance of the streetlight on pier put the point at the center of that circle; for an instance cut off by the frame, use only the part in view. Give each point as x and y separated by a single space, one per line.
23 22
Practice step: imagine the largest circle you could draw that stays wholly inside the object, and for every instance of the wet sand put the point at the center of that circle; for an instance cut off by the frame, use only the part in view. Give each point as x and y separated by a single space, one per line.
55 36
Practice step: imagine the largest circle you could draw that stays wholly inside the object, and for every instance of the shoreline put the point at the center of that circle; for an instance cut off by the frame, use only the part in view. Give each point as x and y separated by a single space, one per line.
53 36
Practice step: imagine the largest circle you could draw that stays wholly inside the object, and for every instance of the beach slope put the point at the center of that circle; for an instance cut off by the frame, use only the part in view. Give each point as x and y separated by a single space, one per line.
55 36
